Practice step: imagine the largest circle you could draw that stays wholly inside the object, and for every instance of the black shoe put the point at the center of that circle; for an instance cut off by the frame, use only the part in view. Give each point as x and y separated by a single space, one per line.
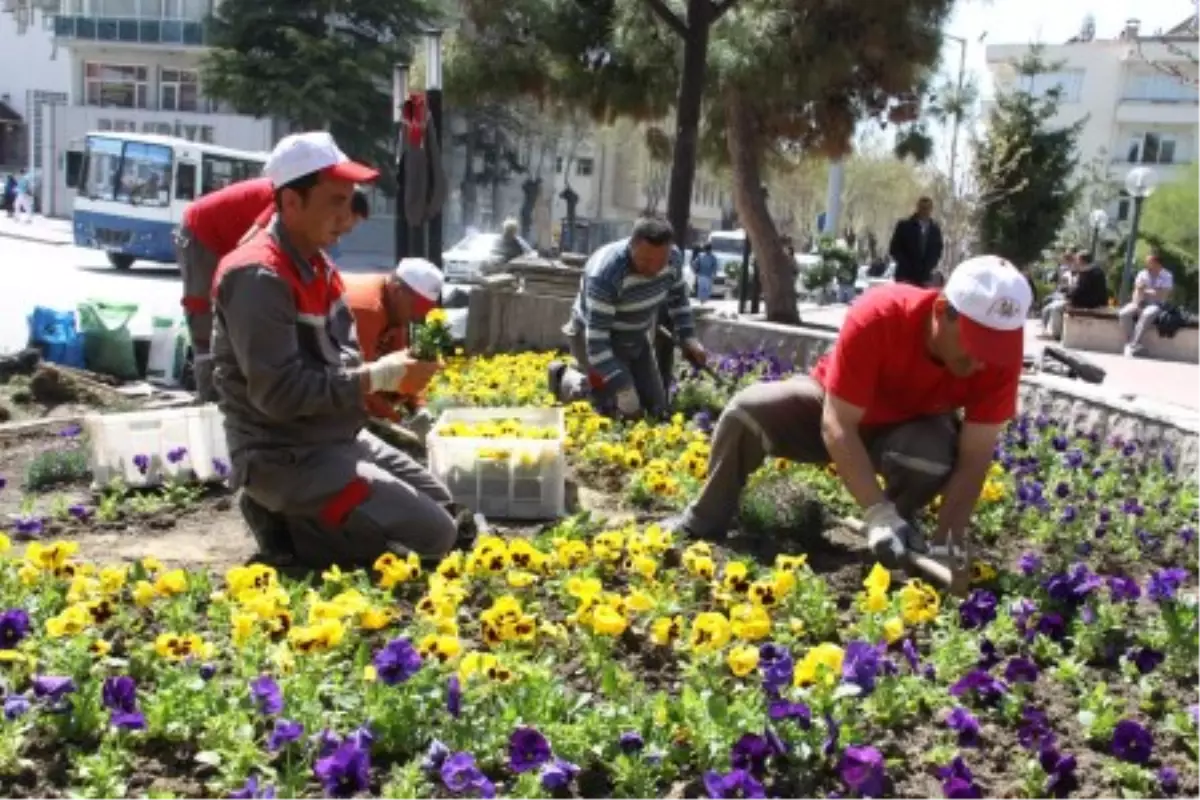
270 532
468 530
554 378
676 526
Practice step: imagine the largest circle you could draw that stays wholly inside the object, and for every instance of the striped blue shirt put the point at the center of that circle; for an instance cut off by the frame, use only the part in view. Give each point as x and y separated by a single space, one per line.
615 300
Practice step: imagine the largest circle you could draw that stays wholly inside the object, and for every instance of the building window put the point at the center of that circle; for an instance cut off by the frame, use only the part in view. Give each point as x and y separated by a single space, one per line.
1159 88
583 167
1123 206
115 85
1151 148
1068 83
179 90
558 165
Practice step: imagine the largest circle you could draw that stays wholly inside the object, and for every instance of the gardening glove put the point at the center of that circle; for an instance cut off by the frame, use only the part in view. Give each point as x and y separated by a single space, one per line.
628 403
385 374
694 352
887 533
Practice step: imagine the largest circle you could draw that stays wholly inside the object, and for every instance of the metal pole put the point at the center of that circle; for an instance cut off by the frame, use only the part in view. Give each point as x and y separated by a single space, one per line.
833 198
1127 272
744 280
399 95
1095 240
962 70
433 92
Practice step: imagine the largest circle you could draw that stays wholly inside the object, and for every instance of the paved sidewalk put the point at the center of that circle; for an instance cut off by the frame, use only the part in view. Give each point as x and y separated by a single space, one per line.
1170 382
42 230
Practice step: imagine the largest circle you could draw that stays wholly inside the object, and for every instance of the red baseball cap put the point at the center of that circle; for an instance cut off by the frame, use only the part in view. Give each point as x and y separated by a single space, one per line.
992 299
303 154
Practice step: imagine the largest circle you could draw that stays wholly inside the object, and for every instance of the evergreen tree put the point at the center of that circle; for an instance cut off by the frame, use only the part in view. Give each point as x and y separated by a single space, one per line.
1026 169
317 64
780 75
1169 226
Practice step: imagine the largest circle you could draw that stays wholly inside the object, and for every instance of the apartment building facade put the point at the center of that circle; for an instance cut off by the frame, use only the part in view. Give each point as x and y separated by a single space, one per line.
129 65
1137 92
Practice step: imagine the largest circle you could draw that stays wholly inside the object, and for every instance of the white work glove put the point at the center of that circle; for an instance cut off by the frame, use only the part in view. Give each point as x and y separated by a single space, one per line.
420 424
628 402
385 373
887 534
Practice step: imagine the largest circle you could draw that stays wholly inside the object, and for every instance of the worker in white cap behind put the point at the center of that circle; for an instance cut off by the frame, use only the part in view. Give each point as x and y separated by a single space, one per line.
384 307
317 487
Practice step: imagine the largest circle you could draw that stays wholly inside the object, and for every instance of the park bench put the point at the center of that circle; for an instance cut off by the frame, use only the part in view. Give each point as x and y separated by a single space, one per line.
1098 330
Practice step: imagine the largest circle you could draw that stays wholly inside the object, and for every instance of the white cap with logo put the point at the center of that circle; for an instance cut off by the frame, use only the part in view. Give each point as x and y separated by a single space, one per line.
421 276
303 154
992 299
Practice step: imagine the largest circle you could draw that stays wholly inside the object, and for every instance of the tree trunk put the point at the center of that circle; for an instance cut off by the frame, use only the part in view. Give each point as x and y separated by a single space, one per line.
777 272
687 117
530 190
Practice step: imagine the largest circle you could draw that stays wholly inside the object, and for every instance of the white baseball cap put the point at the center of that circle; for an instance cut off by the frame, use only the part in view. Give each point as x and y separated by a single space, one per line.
303 154
422 277
992 299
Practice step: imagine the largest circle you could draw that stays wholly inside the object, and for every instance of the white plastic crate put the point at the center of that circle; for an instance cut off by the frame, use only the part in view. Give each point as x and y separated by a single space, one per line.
521 478
118 439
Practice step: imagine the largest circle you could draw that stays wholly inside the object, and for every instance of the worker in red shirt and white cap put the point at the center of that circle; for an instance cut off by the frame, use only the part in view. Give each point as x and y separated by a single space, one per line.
213 225
384 306
317 489
917 388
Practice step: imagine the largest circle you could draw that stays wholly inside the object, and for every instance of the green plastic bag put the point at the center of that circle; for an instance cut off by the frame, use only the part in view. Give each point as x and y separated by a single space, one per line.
107 342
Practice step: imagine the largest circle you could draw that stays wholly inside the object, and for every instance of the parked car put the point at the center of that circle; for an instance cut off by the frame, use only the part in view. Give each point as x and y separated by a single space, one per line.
478 255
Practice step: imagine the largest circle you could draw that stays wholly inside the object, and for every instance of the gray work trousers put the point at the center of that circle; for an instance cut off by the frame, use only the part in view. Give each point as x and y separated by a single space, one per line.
348 504
1052 318
1134 321
197 268
635 351
783 419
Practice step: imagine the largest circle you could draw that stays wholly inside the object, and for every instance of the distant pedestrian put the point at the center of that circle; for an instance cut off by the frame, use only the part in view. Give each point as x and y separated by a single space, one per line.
24 202
1151 291
916 245
705 267
9 201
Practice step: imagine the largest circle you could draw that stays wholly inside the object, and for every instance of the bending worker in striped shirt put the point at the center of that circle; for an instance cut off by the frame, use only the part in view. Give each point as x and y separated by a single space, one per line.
614 319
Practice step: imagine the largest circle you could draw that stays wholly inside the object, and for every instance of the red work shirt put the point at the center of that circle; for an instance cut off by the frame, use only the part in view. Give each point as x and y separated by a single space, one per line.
364 297
220 219
881 363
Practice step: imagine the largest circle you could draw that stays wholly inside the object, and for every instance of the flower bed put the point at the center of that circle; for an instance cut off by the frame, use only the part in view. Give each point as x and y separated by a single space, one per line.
588 661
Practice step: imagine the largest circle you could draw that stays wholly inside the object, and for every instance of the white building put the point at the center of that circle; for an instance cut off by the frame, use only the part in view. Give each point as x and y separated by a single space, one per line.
1137 91
33 71
131 65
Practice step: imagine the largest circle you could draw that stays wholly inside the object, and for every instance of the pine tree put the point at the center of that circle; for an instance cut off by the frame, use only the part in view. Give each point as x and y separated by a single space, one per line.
317 64
1026 169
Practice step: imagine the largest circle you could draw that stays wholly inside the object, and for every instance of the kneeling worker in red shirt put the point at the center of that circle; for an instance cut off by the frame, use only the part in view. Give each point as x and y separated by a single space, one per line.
886 401
213 226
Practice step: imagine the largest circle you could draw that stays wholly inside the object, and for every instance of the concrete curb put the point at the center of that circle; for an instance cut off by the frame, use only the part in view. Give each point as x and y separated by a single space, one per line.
35 425
21 237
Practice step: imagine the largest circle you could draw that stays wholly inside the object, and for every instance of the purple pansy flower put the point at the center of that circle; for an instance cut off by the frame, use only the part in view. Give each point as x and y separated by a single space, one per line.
14 626
267 696
985 687
1060 771
454 696
631 742
284 733
527 749
460 774
397 661
957 780
119 695
556 775
252 791
52 687
1165 583
1132 742
346 771
1021 670
964 723
736 783
860 665
862 770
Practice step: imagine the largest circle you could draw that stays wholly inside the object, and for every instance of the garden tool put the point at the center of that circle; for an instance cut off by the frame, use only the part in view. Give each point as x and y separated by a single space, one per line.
945 566
705 368
1077 367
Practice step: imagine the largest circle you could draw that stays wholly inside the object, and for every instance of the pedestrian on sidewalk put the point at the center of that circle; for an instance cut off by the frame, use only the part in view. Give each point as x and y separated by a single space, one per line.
24 202
1151 291
916 245
916 390
705 267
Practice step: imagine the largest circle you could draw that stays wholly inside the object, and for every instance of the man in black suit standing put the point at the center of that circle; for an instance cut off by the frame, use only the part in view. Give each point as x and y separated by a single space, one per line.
917 245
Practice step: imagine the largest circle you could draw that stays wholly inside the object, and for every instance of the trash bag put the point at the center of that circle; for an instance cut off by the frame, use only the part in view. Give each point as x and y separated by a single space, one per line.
168 351
107 342
54 333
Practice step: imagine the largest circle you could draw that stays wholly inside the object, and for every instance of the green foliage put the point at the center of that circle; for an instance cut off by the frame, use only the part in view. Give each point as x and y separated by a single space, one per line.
300 61
811 68
837 264
1169 225
1025 170
58 466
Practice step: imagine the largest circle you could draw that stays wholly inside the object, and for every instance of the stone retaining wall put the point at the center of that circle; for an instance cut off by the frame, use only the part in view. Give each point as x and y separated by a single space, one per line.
1101 333
502 319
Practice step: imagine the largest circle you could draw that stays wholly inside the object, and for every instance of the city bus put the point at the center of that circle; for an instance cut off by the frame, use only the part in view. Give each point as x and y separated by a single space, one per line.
132 189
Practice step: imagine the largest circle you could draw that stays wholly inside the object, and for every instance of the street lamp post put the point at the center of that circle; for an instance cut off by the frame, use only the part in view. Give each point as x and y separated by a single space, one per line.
1140 184
962 71
399 95
1099 222
433 93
